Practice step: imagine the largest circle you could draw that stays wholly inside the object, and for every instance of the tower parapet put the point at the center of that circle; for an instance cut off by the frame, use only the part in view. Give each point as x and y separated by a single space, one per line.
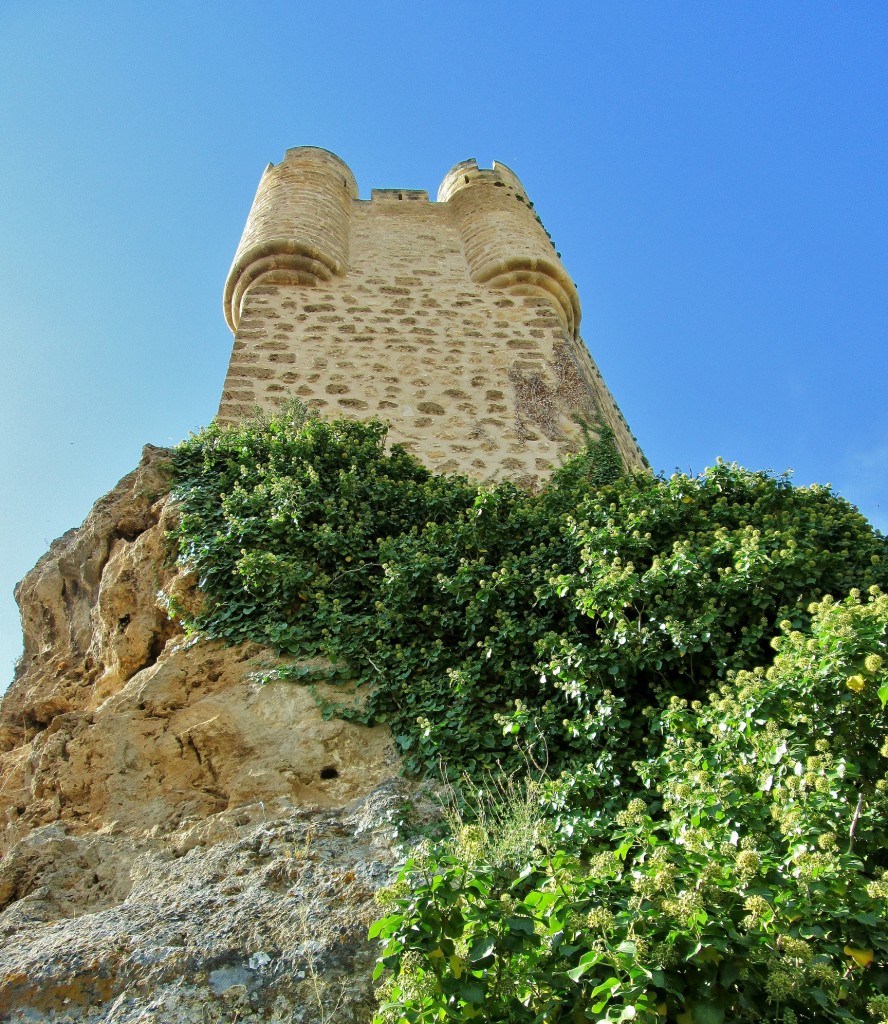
298 228
455 321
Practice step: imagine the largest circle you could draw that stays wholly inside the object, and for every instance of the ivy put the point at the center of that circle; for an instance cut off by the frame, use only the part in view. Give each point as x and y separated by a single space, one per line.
475 618
700 839
612 633
745 879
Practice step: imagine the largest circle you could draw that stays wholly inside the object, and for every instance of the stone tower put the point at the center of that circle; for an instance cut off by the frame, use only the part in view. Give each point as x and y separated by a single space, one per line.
453 320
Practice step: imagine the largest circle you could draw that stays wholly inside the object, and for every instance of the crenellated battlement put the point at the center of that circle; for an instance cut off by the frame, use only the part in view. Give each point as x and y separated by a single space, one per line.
454 320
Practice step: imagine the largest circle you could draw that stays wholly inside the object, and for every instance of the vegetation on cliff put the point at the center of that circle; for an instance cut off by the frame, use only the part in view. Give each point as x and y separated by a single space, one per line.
658 822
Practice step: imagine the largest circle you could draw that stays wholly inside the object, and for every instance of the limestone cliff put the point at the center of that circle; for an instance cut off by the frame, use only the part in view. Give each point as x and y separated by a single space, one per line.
181 841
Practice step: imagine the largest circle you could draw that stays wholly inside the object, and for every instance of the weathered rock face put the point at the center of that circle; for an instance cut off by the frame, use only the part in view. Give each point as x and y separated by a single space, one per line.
182 842
232 918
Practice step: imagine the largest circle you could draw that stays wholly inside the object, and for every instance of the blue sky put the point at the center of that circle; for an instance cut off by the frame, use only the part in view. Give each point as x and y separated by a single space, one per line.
714 175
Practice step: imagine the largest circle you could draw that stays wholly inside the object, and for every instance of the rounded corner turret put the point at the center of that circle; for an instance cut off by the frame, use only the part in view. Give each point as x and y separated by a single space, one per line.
298 228
506 245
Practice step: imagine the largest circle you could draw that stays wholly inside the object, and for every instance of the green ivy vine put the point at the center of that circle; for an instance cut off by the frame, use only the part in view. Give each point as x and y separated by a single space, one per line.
613 632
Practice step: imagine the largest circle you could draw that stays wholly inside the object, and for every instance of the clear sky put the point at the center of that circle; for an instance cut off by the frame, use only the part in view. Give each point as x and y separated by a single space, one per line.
714 174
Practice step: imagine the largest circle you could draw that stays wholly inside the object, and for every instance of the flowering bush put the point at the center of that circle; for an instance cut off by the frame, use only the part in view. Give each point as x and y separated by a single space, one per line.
746 880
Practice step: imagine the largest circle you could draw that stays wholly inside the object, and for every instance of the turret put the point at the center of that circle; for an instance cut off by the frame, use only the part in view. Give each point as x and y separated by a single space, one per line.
298 228
506 245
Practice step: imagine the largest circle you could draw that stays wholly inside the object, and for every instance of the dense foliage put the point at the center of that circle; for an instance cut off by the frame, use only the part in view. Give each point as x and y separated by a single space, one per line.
568 630
451 604
745 880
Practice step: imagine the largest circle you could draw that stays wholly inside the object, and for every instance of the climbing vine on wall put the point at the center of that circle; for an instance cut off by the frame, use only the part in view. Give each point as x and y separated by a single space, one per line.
445 601
493 629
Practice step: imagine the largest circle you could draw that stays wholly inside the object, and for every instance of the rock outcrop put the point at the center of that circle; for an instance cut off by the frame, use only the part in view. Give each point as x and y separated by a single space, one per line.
181 842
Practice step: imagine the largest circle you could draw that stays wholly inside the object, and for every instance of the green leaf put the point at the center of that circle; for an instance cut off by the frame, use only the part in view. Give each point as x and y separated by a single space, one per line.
605 986
481 949
587 962
471 991
728 973
521 924
706 1013
575 973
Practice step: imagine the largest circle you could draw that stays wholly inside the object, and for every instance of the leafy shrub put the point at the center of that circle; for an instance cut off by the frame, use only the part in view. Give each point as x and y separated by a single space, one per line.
709 843
746 880
446 602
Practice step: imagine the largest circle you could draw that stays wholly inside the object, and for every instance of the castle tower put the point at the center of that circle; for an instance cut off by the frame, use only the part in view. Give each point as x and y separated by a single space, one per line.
453 320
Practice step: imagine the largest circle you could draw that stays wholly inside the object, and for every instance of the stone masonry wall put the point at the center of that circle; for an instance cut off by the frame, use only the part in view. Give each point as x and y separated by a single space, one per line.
486 378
